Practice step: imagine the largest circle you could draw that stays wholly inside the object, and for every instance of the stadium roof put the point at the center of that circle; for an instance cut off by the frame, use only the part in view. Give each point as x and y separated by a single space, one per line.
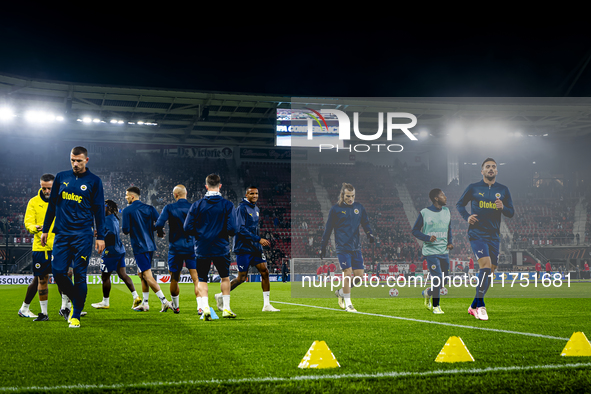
185 117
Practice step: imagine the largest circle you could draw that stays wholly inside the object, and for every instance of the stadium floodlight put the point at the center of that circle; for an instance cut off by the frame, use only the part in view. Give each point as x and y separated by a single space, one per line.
6 114
96 120
86 120
39 117
140 122
59 118
424 134
113 121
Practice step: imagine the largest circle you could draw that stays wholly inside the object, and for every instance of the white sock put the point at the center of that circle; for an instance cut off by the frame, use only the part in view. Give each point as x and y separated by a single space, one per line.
226 299
43 307
25 307
146 296
347 299
162 297
175 301
198 303
134 294
266 295
106 301
65 301
204 303
341 292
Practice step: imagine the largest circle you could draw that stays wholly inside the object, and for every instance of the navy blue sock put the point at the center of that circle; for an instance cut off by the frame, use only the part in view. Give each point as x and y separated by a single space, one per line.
482 287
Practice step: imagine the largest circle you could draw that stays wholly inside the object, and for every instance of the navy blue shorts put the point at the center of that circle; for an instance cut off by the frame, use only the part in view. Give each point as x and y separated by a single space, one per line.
71 250
175 261
112 264
351 259
243 261
221 263
486 248
144 261
42 263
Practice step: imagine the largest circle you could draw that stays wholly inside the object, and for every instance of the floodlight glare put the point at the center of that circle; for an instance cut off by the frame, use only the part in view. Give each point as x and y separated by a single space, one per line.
6 114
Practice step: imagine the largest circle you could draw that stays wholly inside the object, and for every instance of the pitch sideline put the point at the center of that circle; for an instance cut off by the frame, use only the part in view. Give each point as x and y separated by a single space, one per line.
300 378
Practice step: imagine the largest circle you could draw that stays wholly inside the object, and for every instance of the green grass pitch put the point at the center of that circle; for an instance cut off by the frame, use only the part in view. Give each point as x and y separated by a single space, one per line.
119 350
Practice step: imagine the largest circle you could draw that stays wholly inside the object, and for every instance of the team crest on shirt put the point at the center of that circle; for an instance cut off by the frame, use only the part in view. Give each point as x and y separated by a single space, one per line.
356 211
83 188
37 265
66 183
498 195
433 267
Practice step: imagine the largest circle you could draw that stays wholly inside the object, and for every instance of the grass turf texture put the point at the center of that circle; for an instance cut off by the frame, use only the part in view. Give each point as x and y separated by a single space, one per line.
119 350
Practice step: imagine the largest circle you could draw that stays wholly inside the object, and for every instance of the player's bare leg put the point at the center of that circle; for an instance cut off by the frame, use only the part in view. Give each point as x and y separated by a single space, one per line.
43 293
129 283
175 277
345 291
31 292
195 278
226 287
148 282
266 285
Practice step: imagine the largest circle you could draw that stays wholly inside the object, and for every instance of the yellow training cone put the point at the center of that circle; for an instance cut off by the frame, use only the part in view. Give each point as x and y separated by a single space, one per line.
319 356
454 351
577 345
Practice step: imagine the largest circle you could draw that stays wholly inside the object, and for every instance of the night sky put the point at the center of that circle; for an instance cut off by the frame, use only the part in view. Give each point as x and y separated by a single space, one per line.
282 56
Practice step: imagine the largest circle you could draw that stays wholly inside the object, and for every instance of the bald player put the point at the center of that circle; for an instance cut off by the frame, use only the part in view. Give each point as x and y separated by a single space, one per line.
181 247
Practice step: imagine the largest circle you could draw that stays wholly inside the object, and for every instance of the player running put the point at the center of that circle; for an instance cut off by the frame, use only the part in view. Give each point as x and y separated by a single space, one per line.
248 247
211 220
76 202
489 199
181 246
433 227
113 258
138 221
345 218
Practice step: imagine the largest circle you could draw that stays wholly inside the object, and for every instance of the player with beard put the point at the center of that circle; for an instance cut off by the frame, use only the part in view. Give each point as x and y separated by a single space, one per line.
76 203
345 218
489 200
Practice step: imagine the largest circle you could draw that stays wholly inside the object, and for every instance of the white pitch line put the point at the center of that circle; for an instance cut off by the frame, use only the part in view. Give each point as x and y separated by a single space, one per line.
297 378
431 322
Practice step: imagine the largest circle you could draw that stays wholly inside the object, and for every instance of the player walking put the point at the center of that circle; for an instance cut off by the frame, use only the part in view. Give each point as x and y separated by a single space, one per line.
181 246
433 227
489 199
76 202
113 258
211 220
138 221
34 216
248 247
345 218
